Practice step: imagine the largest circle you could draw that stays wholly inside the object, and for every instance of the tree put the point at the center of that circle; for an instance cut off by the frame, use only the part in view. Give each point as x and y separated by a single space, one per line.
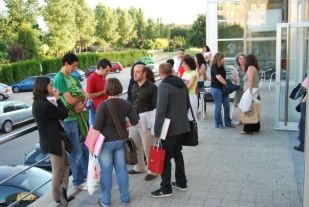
107 23
125 27
179 32
29 41
60 19
151 31
7 35
197 34
139 24
16 52
85 23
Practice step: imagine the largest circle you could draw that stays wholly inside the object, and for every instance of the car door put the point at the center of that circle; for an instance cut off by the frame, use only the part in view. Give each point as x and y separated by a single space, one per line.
23 111
10 113
28 83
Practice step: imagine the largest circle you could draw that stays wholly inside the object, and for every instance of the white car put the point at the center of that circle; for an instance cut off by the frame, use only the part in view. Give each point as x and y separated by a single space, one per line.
13 113
5 91
154 68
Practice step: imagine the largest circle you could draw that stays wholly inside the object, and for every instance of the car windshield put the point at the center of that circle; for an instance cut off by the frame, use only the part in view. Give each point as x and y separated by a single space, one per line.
2 85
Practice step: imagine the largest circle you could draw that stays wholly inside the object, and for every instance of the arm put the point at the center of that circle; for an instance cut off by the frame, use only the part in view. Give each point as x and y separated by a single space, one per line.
250 78
95 95
55 112
154 96
202 70
162 104
191 82
132 115
221 79
91 89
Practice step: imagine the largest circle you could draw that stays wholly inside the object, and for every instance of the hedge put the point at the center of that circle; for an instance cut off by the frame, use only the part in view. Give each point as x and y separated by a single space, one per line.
18 71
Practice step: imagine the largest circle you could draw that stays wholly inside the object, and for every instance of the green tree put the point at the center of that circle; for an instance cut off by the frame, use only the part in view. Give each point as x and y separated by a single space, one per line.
151 30
60 19
28 39
106 28
85 23
7 35
125 27
139 24
197 34
179 31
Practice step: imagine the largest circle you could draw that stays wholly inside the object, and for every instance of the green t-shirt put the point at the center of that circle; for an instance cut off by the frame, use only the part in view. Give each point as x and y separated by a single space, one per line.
62 84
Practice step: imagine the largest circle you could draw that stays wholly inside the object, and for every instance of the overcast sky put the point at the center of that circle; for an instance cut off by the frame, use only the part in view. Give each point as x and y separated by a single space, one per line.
170 11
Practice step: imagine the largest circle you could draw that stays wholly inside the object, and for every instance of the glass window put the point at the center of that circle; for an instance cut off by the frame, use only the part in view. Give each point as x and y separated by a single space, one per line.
230 10
19 106
230 29
265 51
231 48
263 16
8 108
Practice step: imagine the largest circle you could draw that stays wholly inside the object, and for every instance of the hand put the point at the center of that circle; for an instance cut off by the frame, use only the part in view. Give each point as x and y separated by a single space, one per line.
79 107
56 93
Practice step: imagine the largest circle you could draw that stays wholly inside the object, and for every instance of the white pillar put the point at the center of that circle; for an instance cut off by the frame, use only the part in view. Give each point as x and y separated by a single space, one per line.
212 26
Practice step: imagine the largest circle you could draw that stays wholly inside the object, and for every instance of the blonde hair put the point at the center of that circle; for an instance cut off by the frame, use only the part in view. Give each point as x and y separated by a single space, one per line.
218 56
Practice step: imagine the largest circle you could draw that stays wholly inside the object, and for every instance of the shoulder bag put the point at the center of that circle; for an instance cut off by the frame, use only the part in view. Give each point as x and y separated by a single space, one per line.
129 145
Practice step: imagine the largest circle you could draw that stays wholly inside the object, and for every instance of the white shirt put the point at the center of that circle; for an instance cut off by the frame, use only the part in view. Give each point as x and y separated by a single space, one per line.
177 63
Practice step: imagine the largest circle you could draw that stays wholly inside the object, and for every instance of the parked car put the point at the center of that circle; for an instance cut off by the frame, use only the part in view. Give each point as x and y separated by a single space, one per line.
154 68
51 75
22 184
24 85
116 67
90 70
13 113
36 155
79 74
146 60
5 91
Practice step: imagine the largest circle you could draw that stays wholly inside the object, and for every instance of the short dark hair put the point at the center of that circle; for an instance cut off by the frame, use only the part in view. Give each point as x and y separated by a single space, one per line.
166 68
40 87
207 48
171 61
190 62
181 49
69 58
104 63
113 87
137 63
251 60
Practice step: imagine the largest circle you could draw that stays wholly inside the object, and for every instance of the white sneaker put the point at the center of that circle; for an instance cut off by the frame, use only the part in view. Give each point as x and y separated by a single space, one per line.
81 187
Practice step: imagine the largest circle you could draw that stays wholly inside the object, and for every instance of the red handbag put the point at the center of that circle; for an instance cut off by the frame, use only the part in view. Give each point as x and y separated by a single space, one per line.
156 158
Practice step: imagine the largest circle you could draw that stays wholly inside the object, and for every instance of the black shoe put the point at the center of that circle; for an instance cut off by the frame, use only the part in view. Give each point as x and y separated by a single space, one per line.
159 194
149 177
174 184
299 148
134 172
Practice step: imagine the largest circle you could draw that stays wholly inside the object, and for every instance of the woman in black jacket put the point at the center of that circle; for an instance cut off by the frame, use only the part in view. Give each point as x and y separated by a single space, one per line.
48 111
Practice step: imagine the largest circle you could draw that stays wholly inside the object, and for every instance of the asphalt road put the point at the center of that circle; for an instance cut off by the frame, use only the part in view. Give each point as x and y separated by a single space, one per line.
13 152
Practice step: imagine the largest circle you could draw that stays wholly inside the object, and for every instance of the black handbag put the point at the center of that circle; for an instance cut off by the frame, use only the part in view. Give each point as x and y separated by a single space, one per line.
66 141
297 92
297 108
191 138
129 145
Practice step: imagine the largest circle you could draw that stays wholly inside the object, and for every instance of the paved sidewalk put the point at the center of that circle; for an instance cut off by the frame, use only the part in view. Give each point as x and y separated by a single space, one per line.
226 170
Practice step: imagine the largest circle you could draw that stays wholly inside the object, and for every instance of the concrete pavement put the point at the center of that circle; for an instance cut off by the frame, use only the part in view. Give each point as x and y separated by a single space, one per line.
226 169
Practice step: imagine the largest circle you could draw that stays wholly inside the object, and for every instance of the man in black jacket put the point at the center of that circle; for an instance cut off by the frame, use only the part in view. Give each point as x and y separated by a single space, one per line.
172 104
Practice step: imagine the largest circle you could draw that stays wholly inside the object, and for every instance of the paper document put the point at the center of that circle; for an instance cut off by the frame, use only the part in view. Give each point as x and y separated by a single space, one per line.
165 127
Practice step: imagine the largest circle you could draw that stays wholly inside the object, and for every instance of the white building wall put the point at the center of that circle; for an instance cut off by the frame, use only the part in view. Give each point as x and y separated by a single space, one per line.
212 26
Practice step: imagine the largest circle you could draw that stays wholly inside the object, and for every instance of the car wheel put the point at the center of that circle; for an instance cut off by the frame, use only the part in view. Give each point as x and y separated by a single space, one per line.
2 97
16 89
7 126
117 70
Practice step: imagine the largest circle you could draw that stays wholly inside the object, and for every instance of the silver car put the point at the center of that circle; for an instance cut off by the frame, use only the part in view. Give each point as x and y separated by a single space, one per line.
12 113
5 91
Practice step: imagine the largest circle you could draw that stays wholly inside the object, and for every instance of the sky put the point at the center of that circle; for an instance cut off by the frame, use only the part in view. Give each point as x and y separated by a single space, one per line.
170 11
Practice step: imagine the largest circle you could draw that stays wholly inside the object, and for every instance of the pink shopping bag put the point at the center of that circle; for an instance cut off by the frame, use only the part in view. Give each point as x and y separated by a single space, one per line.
98 143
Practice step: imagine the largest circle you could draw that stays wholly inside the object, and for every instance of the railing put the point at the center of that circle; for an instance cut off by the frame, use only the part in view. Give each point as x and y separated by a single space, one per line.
16 135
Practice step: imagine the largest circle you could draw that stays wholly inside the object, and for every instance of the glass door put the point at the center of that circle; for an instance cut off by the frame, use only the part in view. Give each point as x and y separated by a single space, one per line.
291 68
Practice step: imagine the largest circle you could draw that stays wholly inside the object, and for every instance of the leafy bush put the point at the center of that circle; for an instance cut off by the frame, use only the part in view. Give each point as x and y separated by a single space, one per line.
51 65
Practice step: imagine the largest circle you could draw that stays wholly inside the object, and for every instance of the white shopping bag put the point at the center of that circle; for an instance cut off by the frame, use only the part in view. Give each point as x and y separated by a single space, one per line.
246 100
93 177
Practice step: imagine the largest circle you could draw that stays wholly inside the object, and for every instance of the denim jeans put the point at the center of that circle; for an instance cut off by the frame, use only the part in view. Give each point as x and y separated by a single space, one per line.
79 153
112 155
91 112
219 100
302 124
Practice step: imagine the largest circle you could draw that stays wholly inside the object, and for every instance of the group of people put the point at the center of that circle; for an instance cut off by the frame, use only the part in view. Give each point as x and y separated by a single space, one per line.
58 109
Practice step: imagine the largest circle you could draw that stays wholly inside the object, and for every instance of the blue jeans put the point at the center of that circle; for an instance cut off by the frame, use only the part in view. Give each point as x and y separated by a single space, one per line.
302 124
112 155
91 112
219 100
79 153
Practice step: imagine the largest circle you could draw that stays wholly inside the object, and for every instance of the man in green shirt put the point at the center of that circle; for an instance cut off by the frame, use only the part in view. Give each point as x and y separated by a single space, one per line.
74 99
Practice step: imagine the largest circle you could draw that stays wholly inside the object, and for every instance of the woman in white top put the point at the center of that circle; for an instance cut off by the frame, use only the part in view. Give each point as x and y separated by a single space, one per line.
190 77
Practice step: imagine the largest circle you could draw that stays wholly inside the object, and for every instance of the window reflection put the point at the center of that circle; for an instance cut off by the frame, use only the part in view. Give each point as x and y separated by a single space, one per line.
230 10
231 48
230 29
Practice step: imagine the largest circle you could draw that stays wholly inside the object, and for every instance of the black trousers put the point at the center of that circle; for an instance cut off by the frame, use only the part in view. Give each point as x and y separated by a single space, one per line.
173 147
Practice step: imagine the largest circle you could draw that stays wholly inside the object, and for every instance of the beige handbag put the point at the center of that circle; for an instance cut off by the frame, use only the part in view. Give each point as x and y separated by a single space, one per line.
252 116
